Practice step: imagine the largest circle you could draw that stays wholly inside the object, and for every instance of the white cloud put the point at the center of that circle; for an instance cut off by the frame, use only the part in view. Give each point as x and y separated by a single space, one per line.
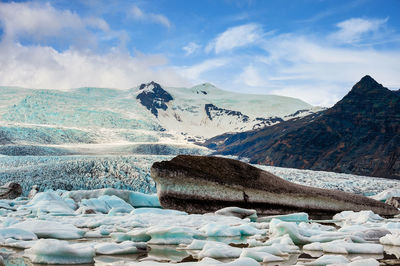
191 48
44 67
40 21
353 30
139 14
251 77
236 37
195 72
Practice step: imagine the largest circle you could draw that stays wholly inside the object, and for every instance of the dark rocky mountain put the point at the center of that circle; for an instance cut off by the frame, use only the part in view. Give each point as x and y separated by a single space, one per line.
153 97
359 135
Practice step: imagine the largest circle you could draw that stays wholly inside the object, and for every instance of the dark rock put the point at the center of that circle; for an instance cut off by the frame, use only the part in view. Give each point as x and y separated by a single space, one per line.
213 111
359 135
200 184
10 190
153 97
393 201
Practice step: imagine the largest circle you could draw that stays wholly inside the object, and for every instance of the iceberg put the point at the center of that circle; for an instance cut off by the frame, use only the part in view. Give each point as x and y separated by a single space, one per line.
52 251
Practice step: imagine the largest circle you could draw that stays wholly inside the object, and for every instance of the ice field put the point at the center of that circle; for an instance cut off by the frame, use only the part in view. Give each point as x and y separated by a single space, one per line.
119 227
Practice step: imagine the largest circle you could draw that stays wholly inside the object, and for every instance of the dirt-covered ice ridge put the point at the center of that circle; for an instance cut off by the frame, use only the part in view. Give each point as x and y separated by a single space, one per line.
120 227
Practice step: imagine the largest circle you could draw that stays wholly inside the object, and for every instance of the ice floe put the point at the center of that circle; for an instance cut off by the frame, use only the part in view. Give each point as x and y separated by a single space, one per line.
51 251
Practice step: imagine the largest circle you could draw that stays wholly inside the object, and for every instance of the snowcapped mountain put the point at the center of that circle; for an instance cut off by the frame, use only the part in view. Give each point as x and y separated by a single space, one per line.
204 111
147 113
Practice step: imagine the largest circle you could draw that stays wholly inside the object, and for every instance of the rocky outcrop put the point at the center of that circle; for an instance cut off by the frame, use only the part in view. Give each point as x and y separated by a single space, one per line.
10 190
359 135
153 97
199 184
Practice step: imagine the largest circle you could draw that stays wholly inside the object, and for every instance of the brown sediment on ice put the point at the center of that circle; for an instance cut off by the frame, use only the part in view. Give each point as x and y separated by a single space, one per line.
200 184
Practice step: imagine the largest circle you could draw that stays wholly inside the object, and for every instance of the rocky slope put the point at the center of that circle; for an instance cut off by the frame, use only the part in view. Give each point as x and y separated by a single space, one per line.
360 135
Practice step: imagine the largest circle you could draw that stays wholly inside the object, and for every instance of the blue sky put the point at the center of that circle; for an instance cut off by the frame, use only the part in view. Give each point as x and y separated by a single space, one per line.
313 50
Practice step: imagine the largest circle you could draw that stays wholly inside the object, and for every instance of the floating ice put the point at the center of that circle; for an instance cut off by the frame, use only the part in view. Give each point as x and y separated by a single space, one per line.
238 212
387 194
292 217
329 259
52 251
126 247
21 244
17 234
135 199
392 239
364 262
172 235
219 250
105 203
50 229
345 247
158 211
48 202
219 230
204 262
260 256
361 217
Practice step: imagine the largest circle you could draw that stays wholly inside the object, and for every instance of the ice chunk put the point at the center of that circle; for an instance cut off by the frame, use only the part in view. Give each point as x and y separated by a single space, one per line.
219 230
52 251
48 202
392 239
17 234
158 211
135 199
138 199
361 217
172 235
105 203
364 262
301 236
293 217
259 255
21 244
203 262
126 247
329 259
238 212
219 250
387 194
345 247
136 235
50 229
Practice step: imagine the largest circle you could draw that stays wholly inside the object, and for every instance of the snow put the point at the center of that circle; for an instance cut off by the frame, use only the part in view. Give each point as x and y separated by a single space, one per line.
51 251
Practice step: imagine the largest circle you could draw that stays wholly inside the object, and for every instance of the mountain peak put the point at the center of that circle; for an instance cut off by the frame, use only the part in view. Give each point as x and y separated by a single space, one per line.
367 85
151 84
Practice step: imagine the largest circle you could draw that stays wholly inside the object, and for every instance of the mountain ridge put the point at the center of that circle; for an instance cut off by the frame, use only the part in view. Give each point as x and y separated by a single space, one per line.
360 135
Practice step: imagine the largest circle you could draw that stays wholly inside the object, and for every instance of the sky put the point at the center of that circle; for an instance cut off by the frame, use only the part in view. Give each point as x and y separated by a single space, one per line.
314 50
